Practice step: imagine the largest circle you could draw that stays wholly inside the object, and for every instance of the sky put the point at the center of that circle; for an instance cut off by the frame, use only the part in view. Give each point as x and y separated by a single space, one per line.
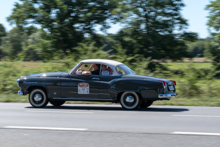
194 12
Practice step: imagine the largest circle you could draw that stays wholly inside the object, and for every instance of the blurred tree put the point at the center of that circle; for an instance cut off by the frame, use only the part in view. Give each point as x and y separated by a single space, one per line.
209 47
189 36
66 22
154 28
2 32
107 43
12 42
214 25
36 47
197 49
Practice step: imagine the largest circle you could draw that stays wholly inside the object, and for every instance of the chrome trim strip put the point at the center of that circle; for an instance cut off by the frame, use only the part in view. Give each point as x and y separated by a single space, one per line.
168 96
82 99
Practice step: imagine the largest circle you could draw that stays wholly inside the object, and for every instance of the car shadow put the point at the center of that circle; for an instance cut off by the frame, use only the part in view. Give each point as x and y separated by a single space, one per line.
111 108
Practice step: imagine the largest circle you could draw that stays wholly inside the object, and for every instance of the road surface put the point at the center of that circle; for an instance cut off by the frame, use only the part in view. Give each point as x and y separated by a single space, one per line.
90 125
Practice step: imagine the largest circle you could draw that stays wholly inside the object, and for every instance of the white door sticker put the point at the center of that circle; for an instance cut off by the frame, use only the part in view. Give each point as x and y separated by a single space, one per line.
83 88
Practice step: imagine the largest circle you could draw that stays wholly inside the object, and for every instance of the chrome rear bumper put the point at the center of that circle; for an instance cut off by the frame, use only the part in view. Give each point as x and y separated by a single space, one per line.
168 95
20 92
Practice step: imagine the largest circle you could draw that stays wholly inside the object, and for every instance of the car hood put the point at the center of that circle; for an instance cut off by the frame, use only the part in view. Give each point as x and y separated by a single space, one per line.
49 74
134 76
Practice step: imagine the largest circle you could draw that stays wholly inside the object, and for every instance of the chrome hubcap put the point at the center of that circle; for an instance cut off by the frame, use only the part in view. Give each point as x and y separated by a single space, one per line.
37 97
129 99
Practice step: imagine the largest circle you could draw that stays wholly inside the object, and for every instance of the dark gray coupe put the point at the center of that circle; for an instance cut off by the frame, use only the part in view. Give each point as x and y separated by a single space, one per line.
96 80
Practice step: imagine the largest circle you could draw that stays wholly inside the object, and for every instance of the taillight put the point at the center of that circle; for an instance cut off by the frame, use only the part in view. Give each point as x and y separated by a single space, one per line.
173 82
164 83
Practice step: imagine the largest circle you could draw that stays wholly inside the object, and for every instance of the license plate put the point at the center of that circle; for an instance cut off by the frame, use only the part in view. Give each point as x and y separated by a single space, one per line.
171 87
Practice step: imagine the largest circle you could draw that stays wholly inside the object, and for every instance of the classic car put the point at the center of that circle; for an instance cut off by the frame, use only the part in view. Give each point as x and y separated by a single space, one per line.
96 80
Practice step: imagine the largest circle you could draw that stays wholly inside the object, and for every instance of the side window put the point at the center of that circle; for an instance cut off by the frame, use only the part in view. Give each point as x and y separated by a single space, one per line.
120 70
106 70
93 68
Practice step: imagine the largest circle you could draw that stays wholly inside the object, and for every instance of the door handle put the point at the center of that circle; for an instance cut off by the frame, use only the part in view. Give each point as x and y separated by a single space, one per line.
96 79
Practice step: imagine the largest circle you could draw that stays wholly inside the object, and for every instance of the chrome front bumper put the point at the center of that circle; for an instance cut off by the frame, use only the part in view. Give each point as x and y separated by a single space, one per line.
168 95
20 92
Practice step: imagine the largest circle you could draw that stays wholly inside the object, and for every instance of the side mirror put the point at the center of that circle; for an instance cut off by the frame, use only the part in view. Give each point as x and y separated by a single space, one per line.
86 73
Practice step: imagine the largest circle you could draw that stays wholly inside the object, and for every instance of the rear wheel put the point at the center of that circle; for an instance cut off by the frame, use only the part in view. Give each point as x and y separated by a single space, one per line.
130 100
146 104
57 102
38 98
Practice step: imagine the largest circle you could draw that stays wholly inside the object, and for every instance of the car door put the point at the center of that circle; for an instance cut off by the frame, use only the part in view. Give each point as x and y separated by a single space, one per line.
105 80
104 86
80 87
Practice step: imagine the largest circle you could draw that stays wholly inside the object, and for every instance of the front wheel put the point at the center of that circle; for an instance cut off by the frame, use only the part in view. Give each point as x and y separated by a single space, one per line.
130 100
38 98
57 102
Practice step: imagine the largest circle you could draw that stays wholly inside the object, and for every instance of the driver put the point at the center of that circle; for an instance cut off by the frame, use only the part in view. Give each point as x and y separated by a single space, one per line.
96 69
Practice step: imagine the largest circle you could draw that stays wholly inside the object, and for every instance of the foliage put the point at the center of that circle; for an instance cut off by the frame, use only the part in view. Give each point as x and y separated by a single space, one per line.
214 19
200 48
2 33
214 25
89 51
12 42
66 22
216 56
153 29
188 85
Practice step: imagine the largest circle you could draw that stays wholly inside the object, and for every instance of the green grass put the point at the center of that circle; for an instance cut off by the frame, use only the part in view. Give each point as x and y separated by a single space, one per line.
13 98
193 101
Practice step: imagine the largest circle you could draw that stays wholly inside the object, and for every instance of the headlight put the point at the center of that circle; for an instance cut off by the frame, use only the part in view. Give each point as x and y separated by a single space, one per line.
18 83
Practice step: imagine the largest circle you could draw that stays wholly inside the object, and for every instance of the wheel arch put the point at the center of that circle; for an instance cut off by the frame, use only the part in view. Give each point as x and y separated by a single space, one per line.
142 88
30 88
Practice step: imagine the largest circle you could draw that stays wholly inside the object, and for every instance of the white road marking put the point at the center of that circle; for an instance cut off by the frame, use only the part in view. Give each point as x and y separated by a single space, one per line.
58 112
45 128
198 115
197 133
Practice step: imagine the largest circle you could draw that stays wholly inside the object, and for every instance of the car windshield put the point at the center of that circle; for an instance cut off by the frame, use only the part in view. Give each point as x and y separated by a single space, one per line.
74 68
123 69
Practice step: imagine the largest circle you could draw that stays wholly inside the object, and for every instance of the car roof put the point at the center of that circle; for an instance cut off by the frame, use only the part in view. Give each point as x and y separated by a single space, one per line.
102 61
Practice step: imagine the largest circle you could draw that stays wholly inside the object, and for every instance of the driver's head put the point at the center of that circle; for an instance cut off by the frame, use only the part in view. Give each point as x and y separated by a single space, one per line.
96 66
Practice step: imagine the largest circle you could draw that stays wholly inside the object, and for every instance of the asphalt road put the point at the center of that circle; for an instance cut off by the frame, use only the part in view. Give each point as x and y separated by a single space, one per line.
90 125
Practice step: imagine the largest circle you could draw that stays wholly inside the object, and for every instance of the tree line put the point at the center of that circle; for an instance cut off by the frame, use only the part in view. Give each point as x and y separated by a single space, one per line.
58 29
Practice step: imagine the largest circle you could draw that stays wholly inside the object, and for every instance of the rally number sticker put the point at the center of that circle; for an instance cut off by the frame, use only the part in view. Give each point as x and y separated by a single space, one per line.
83 88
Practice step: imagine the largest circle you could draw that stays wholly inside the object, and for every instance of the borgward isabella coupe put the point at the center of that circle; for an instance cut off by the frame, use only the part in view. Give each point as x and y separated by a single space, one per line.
96 80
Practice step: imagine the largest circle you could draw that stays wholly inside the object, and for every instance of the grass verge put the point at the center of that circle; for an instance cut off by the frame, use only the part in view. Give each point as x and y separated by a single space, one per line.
178 101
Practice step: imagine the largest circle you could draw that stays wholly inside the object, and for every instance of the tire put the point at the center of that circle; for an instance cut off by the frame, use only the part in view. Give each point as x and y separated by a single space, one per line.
38 98
130 100
57 102
146 104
